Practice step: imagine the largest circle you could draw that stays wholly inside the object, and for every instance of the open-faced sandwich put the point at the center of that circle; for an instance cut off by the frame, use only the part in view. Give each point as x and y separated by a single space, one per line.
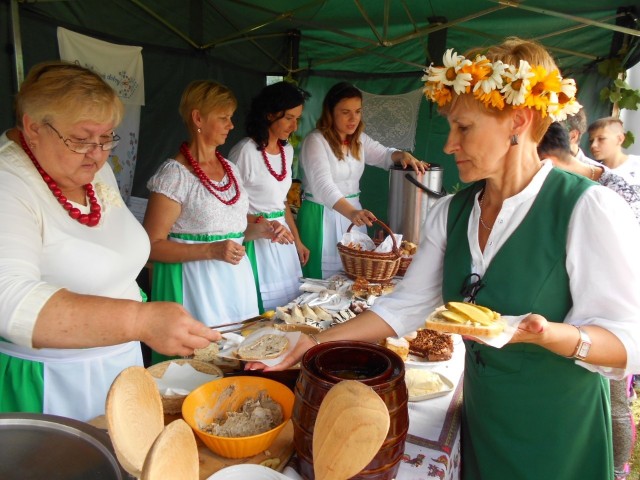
466 319
267 346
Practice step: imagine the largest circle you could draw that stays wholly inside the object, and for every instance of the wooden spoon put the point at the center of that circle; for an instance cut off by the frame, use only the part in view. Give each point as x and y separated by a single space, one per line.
352 423
174 454
134 417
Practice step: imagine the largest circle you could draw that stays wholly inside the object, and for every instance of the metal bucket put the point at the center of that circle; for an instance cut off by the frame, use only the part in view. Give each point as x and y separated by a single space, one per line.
411 195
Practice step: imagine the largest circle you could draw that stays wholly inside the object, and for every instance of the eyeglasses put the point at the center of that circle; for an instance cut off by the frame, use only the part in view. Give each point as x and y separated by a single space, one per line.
471 285
84 147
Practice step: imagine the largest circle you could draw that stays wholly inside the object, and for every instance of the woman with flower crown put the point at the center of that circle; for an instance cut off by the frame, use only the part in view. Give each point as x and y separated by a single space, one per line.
555 248
71 313
333 158
196 217
264 159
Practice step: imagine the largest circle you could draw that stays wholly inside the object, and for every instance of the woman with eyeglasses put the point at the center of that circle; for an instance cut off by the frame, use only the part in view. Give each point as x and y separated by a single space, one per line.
71 313
546 245
333 158
197 217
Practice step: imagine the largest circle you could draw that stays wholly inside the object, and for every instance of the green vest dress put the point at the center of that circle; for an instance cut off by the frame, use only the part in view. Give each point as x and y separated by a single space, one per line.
528 413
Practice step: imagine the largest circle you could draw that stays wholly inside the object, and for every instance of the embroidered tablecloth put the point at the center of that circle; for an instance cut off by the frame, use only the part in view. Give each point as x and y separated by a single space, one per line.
432 449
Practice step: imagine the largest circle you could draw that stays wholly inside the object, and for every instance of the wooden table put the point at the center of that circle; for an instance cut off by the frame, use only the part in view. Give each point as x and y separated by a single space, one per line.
278 454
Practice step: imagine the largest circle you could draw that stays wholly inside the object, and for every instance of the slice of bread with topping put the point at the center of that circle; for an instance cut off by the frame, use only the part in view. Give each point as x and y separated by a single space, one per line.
267 346
466 319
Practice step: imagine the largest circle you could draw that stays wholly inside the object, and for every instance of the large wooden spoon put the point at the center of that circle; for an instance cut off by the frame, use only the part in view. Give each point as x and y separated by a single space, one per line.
174 454
352 423
134 417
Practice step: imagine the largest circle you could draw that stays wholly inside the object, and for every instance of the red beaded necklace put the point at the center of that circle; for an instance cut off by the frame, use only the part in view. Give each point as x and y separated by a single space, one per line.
281 176
89 219
207 182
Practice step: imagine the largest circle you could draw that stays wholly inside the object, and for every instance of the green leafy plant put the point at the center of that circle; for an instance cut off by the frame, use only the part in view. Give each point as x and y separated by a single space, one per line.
619 92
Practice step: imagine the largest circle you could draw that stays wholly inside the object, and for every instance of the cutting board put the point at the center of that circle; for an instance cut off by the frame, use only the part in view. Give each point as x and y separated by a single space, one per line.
282 449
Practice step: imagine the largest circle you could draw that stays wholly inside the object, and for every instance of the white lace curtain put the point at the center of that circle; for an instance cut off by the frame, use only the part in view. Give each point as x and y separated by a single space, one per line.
392 119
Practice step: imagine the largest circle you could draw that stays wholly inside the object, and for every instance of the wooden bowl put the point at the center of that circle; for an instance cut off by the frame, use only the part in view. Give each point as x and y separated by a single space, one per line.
174 454
134 417
172 404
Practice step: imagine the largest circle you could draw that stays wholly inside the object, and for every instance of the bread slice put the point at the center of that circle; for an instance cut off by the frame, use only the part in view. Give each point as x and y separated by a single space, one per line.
207 354
309 313
270 345
322 314
399 346
440 323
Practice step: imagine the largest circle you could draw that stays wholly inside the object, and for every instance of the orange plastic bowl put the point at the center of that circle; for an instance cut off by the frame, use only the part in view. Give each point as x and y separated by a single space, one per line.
212 400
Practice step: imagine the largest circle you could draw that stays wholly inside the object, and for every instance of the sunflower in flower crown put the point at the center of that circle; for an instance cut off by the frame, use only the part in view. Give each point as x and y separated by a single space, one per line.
496 84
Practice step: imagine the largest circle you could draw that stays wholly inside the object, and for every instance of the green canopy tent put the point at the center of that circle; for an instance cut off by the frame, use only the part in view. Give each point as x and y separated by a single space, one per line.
381 46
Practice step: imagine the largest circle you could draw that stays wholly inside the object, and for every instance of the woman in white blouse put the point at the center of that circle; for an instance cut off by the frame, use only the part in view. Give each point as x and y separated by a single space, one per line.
333 158
264 161
542 244
197 217
71 313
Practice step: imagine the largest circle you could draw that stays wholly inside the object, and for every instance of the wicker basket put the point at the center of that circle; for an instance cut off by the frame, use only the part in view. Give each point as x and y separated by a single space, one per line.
172 404
404 264
373 266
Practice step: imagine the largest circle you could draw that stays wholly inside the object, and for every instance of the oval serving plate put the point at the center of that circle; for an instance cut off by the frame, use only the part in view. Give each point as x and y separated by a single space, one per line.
416 361
247 470
448 388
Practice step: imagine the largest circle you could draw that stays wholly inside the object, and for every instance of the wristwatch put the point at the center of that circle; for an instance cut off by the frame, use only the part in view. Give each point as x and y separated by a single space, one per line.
583 346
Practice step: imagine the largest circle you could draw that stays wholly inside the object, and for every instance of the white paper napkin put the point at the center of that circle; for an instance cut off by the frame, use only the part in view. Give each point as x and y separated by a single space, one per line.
358 238
387 245
232 344
181 379
504 337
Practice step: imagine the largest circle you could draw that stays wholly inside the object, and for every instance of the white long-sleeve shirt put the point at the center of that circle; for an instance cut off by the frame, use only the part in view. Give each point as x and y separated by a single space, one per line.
603 264
329 179
43 250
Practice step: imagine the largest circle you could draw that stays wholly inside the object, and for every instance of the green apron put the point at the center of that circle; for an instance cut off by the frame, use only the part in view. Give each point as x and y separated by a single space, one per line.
528 413
311 235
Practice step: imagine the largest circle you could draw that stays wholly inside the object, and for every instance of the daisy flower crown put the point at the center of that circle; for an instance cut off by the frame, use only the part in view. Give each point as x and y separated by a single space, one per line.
496 84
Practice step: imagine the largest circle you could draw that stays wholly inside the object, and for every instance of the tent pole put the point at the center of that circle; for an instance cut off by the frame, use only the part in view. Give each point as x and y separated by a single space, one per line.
432 28
617 28
165 23
367 19
17 44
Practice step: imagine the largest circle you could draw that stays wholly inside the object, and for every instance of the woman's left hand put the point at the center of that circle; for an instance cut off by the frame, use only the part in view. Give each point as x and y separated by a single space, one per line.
303 253
304 343
408 160
531 329
281 234
258 230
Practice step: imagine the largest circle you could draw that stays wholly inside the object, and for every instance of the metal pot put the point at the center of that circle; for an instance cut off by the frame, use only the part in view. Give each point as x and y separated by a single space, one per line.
411 195
56 448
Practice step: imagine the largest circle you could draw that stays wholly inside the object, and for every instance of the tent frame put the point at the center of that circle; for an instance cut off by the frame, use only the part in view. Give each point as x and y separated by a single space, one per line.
250 33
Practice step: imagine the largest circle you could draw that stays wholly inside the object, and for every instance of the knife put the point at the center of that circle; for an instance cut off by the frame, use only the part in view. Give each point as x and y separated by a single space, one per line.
265 316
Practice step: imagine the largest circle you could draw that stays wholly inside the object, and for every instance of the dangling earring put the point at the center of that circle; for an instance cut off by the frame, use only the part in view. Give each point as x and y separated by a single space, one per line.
199 130
514 139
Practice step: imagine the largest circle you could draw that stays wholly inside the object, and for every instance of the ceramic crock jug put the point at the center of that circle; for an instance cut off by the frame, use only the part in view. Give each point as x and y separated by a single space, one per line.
329 363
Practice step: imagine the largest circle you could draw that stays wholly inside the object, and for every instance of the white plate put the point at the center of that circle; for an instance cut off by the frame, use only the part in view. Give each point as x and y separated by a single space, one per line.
247 471
448 387
417 361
